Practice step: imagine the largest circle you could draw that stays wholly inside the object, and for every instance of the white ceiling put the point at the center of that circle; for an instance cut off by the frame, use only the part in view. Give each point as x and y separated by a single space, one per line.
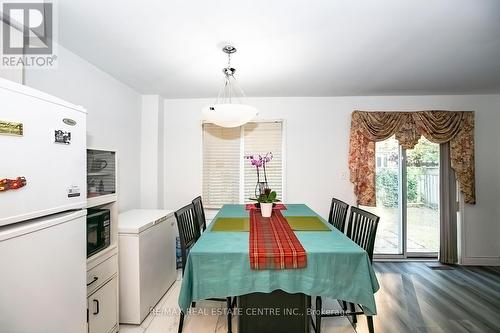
290 48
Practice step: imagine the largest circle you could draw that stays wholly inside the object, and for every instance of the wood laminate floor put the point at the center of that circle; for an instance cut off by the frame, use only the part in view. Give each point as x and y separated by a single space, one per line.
415 298
412 298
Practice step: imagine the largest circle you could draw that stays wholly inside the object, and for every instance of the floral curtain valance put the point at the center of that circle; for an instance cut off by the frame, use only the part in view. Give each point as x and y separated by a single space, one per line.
457 128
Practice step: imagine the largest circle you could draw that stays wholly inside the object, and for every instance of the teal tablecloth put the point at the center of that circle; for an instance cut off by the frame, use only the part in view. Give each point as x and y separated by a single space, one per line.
218 266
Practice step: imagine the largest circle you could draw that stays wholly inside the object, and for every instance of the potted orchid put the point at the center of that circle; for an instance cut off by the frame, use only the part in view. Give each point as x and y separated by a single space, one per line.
266 201
259 162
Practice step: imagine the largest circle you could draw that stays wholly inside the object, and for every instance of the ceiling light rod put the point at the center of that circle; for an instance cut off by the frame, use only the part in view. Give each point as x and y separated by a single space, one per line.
230 88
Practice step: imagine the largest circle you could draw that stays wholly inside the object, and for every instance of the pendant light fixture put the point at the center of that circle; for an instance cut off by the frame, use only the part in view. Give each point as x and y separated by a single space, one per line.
228 109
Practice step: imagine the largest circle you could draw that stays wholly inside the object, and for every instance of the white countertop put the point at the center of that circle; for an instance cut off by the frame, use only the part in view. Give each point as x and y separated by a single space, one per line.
137 220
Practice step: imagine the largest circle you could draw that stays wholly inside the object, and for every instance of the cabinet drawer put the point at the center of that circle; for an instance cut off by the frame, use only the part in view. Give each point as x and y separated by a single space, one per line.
97 275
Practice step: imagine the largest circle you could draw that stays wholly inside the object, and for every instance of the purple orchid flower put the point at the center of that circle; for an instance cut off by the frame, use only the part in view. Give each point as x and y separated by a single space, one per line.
255 160
258 161
268 157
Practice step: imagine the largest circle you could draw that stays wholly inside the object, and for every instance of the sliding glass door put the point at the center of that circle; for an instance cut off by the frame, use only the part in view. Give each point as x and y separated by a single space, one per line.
422 204
407 186
389 197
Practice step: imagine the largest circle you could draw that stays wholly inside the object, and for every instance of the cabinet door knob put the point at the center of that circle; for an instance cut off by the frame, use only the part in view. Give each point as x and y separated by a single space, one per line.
97 306
94 280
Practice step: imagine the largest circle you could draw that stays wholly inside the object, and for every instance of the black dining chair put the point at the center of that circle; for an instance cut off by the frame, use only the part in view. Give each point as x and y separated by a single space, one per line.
338 214
200 213
361 229
189 233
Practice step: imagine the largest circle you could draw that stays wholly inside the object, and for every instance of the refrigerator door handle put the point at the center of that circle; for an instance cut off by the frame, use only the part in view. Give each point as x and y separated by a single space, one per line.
97 306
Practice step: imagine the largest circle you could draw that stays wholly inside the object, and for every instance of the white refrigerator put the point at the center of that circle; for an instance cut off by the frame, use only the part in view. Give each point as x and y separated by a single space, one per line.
42 215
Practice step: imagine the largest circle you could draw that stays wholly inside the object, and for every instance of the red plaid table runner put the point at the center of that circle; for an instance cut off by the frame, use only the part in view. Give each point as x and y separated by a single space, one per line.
251 206
273 244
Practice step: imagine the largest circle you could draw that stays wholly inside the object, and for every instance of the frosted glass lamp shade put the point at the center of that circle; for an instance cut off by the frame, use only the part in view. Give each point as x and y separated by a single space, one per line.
229 115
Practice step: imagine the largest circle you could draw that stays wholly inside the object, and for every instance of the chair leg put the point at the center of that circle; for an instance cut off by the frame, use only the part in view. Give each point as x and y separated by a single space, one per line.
233 303
181 322
369 320
344 305
319 307
229 315
353 309
193 304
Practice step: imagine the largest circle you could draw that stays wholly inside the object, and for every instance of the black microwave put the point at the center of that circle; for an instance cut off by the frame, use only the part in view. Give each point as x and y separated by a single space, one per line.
98 230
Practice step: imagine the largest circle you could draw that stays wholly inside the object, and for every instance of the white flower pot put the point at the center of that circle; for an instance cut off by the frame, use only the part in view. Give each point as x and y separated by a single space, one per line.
266 209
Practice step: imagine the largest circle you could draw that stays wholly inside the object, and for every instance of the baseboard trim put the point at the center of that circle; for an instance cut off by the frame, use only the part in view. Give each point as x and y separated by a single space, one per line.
480 261
405 259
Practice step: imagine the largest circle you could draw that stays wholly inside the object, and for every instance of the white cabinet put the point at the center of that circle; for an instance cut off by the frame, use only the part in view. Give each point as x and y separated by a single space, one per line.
102 267
102 308
147 260
102 299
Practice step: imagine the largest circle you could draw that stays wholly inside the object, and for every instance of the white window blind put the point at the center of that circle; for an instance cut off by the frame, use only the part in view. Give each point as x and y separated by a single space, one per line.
259 139
227 176
221 164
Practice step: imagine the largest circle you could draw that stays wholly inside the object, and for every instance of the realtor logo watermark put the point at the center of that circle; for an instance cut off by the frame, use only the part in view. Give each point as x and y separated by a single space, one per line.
28 34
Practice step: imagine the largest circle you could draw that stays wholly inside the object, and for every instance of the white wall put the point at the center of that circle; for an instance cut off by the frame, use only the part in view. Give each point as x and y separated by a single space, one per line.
317 143
113 120
152 151
11 73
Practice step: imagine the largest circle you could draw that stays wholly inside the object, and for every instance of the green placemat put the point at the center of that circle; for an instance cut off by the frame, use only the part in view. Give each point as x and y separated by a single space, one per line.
306 223
297 223
231 224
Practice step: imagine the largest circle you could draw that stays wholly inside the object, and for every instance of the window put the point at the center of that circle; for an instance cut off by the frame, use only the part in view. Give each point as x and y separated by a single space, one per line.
260 138
227 176
221 165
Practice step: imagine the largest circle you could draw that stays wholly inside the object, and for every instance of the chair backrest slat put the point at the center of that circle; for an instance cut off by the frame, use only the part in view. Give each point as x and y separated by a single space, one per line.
338 213
189 230
200 213
362 229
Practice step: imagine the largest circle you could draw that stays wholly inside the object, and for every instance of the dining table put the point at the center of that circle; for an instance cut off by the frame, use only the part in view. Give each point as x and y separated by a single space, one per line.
218 265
